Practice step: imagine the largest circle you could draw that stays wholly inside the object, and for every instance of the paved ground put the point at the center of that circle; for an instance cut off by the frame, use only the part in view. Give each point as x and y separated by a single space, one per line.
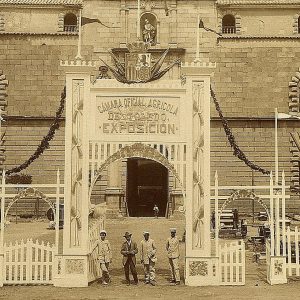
255 288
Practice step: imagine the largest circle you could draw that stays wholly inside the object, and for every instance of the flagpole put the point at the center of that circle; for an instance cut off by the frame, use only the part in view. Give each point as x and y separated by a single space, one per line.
78 56
138 23
276 146
197 58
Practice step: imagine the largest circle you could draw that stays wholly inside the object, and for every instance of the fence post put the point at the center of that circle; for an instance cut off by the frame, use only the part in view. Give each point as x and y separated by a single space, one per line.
283 215
297 250
272 214
277 220
289 251
2 267
57 213
217 213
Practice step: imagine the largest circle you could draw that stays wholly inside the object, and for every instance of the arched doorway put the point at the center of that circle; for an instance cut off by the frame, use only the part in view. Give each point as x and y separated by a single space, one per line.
147 185
148 172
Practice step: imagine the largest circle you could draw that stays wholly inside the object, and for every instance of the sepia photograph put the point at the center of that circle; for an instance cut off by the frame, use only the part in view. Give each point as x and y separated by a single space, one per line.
149 149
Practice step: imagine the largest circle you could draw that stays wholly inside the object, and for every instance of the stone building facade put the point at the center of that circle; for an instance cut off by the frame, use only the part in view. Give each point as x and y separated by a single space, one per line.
257 70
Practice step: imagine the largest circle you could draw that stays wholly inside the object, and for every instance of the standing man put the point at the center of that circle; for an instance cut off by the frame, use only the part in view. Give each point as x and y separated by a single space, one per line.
172 247
148 258
104 256
129 250
155 211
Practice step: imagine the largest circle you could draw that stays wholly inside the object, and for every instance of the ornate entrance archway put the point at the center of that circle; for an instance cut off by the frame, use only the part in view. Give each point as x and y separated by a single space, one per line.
167 121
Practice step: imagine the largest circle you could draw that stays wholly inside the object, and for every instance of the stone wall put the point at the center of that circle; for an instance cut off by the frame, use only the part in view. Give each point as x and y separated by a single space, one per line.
34 19
251 79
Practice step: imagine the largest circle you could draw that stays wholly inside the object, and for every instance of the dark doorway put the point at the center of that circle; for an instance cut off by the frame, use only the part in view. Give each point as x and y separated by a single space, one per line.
147 184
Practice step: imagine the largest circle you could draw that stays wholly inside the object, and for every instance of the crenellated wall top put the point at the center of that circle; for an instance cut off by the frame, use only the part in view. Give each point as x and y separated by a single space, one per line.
155 85
77 63
199 64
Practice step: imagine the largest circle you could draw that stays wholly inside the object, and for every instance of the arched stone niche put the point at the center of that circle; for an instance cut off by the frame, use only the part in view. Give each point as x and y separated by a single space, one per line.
149 28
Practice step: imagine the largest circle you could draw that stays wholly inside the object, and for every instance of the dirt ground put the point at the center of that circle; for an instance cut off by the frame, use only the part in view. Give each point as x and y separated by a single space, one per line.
255 288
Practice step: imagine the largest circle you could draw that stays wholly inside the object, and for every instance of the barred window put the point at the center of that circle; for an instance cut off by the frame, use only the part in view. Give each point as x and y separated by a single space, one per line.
70 23
228 24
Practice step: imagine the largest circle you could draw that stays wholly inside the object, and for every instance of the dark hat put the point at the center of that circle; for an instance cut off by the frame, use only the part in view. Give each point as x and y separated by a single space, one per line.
127 234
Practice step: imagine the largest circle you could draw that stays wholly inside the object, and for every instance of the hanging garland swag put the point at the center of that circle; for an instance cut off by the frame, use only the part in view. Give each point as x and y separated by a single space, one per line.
45 141
231 139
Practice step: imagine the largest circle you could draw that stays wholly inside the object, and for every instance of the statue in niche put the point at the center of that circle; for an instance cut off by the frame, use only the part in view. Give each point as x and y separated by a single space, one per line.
148 31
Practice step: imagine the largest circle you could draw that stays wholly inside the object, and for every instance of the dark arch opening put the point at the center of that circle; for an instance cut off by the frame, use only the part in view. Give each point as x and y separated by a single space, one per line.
147 185
70 22
299 24
228 24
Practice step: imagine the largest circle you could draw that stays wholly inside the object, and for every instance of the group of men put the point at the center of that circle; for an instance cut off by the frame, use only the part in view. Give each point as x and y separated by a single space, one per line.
148 257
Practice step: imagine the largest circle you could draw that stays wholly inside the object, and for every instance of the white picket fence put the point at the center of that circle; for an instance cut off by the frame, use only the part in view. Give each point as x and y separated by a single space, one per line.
232 263
28 263
292 239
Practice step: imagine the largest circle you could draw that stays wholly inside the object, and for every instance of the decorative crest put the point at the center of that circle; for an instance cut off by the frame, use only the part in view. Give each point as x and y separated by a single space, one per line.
138 65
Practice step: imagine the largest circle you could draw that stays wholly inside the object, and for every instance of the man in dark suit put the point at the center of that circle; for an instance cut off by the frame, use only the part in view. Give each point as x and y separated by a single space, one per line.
129 250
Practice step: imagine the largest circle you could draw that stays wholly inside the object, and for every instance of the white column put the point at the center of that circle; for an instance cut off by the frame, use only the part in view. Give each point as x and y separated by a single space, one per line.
272 214
197 56
283 214
217 213
74 272
197 105
57 212
78 56
276 147
138 23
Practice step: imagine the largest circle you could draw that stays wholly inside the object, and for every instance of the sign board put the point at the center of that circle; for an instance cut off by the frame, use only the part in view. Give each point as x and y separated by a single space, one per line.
137 115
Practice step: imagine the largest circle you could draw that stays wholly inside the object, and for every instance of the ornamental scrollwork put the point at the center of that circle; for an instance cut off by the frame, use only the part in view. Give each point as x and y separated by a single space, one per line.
74 266
198 268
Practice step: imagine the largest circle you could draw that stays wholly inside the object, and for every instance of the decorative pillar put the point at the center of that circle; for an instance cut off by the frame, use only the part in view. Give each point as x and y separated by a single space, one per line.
173 24
113 190
201 268
73 265
124 23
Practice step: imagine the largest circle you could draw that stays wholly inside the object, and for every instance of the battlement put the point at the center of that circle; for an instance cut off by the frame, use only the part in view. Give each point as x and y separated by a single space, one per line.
78 63
198 64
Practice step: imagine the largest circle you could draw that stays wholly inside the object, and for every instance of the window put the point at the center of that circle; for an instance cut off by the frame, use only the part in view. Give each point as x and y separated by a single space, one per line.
70 22
298 24
228 24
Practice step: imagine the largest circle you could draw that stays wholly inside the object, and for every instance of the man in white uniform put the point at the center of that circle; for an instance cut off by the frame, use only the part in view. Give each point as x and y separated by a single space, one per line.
148 258
104 256
172 247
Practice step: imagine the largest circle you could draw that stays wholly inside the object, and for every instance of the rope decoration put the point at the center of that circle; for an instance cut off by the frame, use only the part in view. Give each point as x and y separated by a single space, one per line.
231 139
45 141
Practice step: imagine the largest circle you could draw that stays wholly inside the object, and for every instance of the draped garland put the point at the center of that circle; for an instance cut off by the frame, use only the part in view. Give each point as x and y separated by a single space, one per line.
46 139
55 125
231 139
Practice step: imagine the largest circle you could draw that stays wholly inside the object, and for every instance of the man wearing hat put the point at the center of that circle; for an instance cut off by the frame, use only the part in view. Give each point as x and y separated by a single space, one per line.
104 256
172 247
148 258
129 250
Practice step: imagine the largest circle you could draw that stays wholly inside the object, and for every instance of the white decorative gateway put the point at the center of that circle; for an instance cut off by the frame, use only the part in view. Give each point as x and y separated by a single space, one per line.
107 121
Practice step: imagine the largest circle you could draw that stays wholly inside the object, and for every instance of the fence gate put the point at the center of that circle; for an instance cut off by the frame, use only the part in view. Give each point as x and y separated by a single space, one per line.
28 263
232 263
